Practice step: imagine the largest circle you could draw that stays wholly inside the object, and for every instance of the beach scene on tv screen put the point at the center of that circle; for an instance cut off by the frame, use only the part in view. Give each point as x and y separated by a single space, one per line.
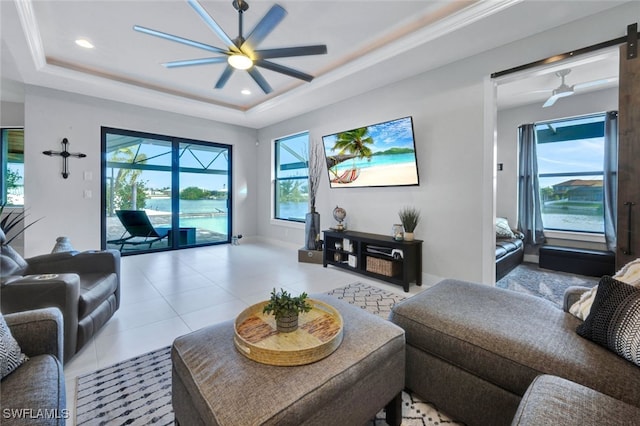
377 155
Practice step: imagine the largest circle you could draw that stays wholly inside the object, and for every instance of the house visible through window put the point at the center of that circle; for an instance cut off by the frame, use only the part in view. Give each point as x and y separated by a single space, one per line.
570 170
12 159
291 178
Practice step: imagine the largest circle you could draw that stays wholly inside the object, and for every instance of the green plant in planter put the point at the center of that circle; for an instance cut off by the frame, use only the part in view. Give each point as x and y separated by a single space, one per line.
409 216
286 308
284 304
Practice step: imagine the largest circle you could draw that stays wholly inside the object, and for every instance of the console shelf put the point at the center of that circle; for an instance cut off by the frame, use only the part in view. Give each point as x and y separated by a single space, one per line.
374 255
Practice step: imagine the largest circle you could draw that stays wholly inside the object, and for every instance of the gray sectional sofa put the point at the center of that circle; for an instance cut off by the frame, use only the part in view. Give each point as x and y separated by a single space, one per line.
475 351
34 393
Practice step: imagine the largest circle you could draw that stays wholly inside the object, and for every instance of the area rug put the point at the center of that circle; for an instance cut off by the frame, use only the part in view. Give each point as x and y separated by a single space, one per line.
550 285
138 391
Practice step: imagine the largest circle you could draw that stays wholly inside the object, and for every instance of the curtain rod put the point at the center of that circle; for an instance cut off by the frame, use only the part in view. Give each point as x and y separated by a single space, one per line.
631 39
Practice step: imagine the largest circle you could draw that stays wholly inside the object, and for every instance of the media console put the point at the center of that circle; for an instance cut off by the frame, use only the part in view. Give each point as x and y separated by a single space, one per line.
374 255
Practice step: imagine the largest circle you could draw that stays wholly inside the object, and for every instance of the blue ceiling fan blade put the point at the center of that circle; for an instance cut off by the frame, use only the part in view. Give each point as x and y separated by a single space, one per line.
177 39
287 52
191 62
226 74
283 70
264 27
259 79
211 23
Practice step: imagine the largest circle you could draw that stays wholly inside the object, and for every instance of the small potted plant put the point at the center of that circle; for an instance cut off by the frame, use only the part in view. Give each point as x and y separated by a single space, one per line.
286 308
409 216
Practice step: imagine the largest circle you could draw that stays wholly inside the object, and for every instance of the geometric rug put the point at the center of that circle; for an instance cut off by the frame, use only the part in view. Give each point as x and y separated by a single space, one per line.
137 391
531 279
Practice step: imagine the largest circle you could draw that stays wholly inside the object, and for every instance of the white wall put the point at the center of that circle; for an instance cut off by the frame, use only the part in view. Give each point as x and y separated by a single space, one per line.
11 114
53 115
510 119
455 151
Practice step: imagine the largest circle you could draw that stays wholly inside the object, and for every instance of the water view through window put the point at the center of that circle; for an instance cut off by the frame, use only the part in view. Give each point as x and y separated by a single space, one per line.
291 178
570 169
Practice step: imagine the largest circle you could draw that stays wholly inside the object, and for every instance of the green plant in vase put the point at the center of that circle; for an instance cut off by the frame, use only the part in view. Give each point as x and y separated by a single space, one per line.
409 216
286 308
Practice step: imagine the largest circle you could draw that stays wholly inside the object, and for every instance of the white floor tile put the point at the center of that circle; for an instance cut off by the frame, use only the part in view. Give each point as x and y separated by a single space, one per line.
168 294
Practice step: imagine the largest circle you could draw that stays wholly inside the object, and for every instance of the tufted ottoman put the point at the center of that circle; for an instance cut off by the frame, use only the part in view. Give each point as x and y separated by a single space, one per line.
213 384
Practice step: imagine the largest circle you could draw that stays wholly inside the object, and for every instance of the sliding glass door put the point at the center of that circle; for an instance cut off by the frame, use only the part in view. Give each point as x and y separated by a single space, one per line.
162 193
204 197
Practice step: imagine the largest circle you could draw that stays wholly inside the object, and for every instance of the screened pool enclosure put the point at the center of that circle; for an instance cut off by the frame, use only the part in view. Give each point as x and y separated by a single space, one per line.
182 187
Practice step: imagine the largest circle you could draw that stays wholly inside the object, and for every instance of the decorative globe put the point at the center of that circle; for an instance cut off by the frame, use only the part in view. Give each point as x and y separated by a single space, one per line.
339 214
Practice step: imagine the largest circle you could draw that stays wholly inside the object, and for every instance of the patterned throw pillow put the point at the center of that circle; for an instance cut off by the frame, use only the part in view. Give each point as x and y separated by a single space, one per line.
629 273
11 357
502 228
614 320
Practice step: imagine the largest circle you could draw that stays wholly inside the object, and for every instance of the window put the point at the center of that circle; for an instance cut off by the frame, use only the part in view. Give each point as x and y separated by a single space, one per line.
12 159
291 178
570 156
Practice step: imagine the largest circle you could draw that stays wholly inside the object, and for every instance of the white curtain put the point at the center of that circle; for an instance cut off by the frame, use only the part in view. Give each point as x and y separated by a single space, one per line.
529 210
610 178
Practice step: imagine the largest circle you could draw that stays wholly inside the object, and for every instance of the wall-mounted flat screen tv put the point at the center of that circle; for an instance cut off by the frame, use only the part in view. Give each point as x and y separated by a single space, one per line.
382 154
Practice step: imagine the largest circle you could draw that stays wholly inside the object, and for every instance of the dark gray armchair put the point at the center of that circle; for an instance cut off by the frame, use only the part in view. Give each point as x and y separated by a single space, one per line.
85 286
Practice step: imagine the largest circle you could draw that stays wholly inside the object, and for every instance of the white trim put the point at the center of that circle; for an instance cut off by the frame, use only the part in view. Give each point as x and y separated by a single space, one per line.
575 236
287 223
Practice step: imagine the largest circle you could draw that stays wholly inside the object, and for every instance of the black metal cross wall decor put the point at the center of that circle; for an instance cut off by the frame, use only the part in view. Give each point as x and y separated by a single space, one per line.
65 154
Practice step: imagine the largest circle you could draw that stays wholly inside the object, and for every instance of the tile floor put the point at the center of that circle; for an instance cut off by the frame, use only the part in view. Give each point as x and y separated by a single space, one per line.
165 295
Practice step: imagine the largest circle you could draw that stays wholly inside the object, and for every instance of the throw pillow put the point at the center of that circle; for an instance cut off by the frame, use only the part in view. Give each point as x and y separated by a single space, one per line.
614 320
502 228
629 273
11 357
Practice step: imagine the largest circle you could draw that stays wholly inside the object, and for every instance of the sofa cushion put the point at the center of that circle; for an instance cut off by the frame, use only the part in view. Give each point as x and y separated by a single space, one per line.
614 320
504 247
95 289
36 386
11 356
551 400
508 338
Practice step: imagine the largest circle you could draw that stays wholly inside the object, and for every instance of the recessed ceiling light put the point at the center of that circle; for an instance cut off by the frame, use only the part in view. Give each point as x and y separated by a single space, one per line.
83 42
245 91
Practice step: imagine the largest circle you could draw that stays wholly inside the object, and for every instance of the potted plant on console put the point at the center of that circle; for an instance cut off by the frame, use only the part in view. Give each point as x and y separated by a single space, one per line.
409 216
286 309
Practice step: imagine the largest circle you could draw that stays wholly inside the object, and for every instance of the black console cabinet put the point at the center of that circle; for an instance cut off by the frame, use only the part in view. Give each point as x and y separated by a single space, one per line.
374 255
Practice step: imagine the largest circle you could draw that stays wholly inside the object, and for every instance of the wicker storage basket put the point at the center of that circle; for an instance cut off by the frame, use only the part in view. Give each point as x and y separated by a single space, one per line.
384 267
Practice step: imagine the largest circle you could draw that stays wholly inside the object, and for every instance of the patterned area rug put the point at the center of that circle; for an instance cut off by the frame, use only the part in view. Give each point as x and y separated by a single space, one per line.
529 278
138 391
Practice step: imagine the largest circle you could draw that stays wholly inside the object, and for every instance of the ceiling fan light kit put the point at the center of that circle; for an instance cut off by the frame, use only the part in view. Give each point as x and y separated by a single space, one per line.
240 62
241 52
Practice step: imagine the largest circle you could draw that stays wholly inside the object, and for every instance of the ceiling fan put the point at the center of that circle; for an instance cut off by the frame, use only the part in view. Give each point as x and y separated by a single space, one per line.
241 53
565 90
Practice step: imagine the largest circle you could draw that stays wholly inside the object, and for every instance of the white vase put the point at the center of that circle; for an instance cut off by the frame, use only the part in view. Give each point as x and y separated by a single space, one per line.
408 236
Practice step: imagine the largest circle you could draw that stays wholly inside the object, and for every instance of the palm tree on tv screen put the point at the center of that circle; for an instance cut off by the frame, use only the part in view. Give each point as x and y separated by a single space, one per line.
354 142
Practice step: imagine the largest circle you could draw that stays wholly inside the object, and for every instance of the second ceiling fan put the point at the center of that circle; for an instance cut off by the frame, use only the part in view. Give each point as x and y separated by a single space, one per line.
241 53
565 90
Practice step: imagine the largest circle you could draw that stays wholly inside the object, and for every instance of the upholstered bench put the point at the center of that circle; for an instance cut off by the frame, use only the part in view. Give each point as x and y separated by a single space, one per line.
213 384
593 263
